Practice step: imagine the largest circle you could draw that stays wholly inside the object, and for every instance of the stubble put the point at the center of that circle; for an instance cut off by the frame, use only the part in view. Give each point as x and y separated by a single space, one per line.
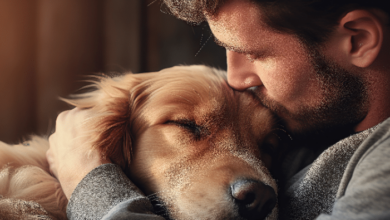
343 103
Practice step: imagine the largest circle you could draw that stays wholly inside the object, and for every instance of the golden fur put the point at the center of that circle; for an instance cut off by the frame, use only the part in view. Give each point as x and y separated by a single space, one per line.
181 134
27 190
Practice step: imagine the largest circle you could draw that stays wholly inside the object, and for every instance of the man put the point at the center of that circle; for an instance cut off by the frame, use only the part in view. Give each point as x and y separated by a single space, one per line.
321 66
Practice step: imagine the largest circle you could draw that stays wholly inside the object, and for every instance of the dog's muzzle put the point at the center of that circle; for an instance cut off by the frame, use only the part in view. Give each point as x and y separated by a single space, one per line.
254 199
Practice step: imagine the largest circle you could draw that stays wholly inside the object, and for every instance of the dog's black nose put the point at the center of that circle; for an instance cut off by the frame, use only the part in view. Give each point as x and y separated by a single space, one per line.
254 199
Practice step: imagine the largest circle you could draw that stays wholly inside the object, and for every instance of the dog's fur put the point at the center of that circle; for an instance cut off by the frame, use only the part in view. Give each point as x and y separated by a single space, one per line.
181 134
27 190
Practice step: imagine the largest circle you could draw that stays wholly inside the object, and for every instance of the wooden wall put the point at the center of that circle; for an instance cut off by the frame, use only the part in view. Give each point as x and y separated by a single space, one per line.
18 34
47 47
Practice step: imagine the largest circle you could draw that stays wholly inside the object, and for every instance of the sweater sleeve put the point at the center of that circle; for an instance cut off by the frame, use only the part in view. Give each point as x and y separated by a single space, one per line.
107 193
367 191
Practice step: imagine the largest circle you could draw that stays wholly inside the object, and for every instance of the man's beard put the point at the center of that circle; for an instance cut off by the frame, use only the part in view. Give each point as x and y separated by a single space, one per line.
343 105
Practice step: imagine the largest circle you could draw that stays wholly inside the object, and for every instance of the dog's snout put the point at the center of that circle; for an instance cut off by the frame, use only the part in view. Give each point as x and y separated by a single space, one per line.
254 199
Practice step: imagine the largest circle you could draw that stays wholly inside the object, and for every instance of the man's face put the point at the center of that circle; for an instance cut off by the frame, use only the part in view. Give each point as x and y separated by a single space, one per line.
308 91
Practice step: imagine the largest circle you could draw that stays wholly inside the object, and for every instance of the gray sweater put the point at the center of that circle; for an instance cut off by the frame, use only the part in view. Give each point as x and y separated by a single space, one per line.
349 180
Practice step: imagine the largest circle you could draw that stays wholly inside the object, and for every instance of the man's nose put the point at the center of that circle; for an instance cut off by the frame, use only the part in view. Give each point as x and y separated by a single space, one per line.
241 71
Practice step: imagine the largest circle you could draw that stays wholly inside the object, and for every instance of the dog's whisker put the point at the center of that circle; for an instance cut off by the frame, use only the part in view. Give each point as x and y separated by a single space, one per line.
285 132
281 128
152 3
203 44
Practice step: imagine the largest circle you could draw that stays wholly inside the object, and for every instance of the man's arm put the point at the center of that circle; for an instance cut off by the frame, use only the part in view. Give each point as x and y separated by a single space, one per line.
107 193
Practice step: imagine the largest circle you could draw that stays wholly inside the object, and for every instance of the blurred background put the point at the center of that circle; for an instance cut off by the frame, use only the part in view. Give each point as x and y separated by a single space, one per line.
47 47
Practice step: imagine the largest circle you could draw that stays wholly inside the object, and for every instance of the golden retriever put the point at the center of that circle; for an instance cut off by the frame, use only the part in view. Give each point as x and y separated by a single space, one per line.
186 139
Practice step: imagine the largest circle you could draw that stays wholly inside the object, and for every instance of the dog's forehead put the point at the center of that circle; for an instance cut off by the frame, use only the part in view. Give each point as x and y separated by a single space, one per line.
193 94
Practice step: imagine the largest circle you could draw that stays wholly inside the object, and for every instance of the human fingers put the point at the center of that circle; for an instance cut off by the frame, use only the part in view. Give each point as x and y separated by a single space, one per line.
50 156
68 122
63 147
71 130
52 166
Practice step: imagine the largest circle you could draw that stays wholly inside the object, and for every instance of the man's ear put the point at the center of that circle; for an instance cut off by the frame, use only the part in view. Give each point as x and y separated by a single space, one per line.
363 32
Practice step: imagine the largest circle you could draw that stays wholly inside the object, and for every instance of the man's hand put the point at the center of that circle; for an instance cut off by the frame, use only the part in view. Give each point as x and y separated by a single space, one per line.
70 155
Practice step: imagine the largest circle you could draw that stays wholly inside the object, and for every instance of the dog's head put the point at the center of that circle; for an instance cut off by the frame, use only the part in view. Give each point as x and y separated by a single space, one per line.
188 141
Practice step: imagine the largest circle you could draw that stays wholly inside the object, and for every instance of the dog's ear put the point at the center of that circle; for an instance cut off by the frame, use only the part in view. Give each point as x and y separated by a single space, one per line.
113 129
113 102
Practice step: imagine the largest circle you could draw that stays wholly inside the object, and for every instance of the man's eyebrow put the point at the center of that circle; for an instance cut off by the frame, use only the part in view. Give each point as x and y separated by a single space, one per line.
232 48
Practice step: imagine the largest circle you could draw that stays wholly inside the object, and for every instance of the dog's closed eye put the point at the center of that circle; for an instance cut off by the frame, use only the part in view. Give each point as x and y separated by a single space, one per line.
190 126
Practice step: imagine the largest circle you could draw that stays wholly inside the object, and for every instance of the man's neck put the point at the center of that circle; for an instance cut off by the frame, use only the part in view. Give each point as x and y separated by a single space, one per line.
379 99
373 118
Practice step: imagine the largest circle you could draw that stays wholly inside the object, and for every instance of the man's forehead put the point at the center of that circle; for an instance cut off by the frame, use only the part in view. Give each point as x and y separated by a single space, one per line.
233 15
237 25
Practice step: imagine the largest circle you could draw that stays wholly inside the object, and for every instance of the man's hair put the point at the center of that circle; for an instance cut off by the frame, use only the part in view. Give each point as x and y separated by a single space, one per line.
311 20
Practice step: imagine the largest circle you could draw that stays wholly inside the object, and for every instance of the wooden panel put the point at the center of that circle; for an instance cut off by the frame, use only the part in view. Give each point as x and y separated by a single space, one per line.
122 35
17 69
70 37
173 42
